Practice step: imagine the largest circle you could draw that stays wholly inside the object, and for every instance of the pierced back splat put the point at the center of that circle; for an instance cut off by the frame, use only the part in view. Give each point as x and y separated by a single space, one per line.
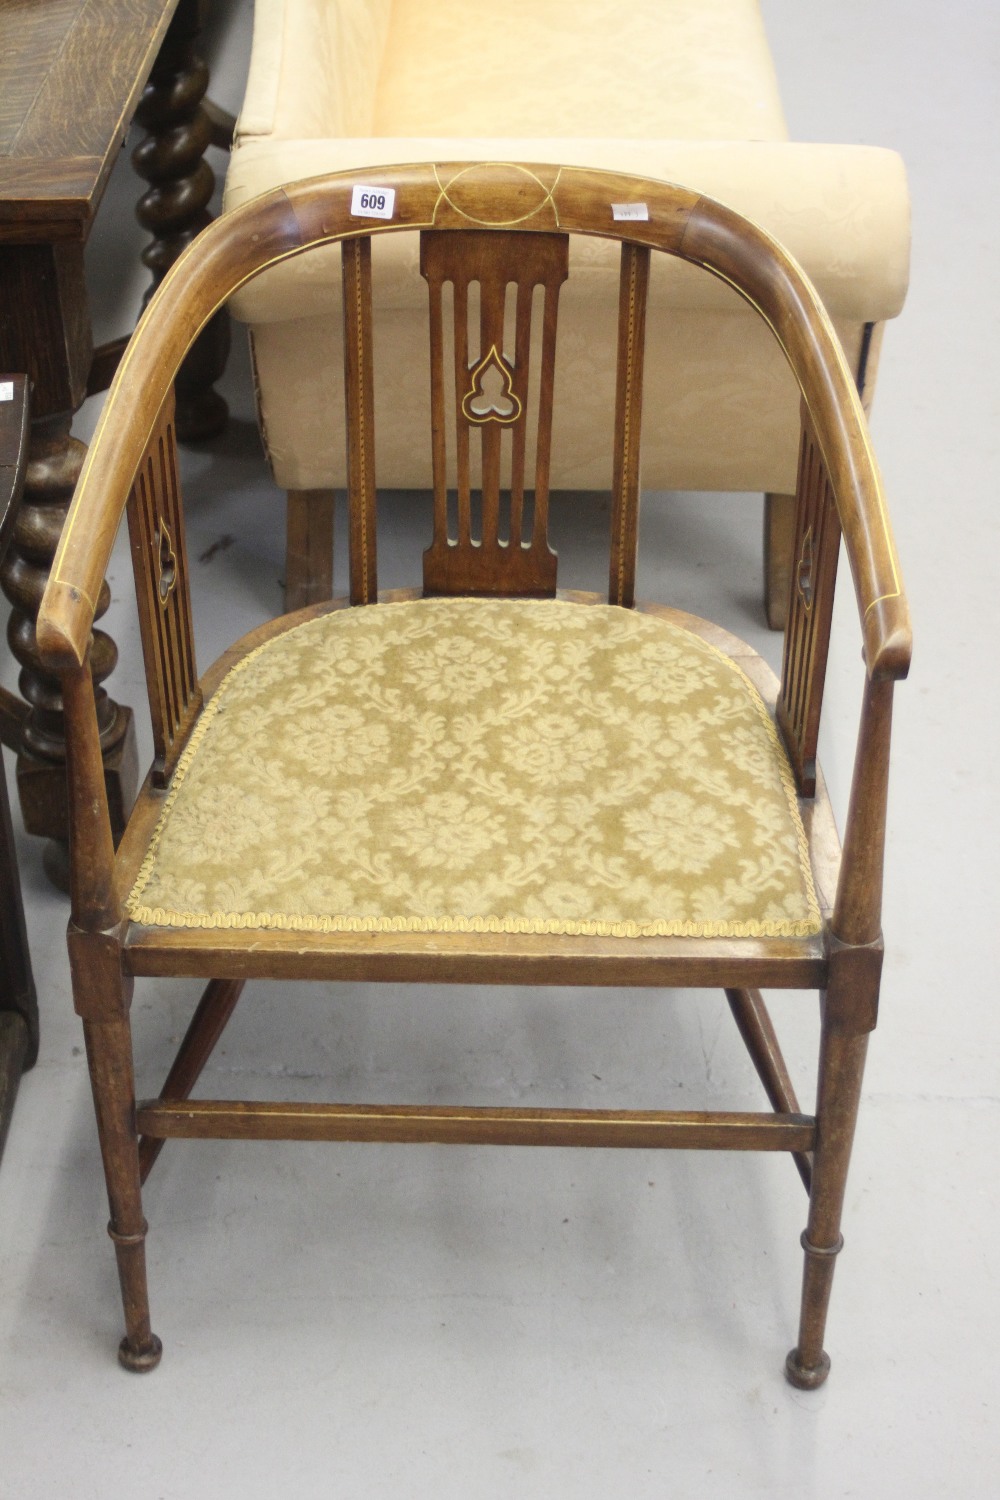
810 611
156 531
491 396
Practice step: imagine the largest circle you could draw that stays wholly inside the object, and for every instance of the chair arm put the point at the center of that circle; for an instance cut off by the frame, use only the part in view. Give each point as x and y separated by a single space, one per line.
842 212
284 223
197 285
774 284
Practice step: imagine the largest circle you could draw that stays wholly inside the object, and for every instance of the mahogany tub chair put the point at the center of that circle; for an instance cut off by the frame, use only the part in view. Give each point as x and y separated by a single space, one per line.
481 780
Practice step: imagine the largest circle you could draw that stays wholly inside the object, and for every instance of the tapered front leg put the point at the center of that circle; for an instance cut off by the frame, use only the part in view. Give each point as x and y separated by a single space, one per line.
848 1017
109 1054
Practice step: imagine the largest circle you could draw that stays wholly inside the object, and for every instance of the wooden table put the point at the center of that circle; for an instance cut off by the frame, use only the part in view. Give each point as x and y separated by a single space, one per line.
72 75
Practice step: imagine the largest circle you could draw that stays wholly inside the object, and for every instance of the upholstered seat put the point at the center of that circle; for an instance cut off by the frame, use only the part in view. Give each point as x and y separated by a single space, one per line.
450 765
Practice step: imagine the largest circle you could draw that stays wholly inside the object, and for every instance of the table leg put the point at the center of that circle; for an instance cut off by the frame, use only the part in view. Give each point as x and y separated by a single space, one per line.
54 462
175 206
18 1005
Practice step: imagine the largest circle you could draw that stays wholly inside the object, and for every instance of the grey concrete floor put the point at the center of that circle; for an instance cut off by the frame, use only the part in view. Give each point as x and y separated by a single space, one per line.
369 1321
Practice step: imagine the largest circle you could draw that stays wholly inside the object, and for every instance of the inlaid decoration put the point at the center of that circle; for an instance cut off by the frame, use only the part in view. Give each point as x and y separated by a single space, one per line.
166 563
804 571
491 396
156 531
807 634
492 377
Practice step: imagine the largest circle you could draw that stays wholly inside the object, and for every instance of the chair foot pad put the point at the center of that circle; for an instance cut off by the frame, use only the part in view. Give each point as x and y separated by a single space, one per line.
806 1377
142 1360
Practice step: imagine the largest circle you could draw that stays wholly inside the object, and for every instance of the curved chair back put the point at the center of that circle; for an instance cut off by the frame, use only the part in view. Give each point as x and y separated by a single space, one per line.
471 200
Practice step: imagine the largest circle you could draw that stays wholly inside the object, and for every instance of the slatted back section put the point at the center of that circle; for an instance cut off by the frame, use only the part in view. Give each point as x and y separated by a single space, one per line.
633 285
807 634
159 562
490 384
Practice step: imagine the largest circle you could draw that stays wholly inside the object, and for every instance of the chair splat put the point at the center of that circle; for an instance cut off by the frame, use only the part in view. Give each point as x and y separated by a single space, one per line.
810 611
156 532
492 385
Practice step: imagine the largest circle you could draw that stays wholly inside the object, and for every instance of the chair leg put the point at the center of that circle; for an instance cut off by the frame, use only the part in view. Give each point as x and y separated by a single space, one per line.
109 1055
779 545
841 1069
309 548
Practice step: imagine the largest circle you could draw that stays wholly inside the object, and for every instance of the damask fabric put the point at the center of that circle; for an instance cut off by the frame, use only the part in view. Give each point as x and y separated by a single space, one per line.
697 68
463 765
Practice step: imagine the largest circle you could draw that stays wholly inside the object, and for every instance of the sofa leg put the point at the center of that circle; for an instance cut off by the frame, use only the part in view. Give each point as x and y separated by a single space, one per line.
779 544
309 553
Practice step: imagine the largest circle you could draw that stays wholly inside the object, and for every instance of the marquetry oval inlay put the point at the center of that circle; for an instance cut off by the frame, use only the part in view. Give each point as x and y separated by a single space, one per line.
516 195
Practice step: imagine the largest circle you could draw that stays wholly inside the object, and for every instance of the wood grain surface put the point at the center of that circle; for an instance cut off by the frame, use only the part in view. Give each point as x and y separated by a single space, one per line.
70 74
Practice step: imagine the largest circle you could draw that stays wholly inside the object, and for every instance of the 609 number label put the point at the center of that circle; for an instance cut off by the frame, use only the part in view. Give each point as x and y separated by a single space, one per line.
372 202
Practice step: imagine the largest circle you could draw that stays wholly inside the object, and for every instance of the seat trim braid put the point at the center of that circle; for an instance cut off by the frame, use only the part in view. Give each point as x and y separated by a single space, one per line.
316 922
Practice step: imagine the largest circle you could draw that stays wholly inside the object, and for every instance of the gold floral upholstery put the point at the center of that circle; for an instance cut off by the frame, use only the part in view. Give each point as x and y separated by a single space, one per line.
495 765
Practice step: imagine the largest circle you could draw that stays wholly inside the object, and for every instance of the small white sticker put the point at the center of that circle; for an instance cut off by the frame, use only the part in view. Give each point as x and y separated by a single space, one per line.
6 390
373 202
630 211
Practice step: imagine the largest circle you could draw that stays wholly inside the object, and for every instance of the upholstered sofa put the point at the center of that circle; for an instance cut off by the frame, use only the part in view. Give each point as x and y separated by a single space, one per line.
678 89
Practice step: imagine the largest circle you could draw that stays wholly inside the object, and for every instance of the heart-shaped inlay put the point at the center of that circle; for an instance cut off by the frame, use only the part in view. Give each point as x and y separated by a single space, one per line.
491 396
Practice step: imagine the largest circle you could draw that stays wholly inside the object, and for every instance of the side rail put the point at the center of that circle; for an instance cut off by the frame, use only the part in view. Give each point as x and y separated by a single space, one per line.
839 490
770 280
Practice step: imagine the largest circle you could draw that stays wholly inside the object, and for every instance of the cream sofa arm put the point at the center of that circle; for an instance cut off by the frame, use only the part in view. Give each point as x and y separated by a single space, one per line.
841 211
333 51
